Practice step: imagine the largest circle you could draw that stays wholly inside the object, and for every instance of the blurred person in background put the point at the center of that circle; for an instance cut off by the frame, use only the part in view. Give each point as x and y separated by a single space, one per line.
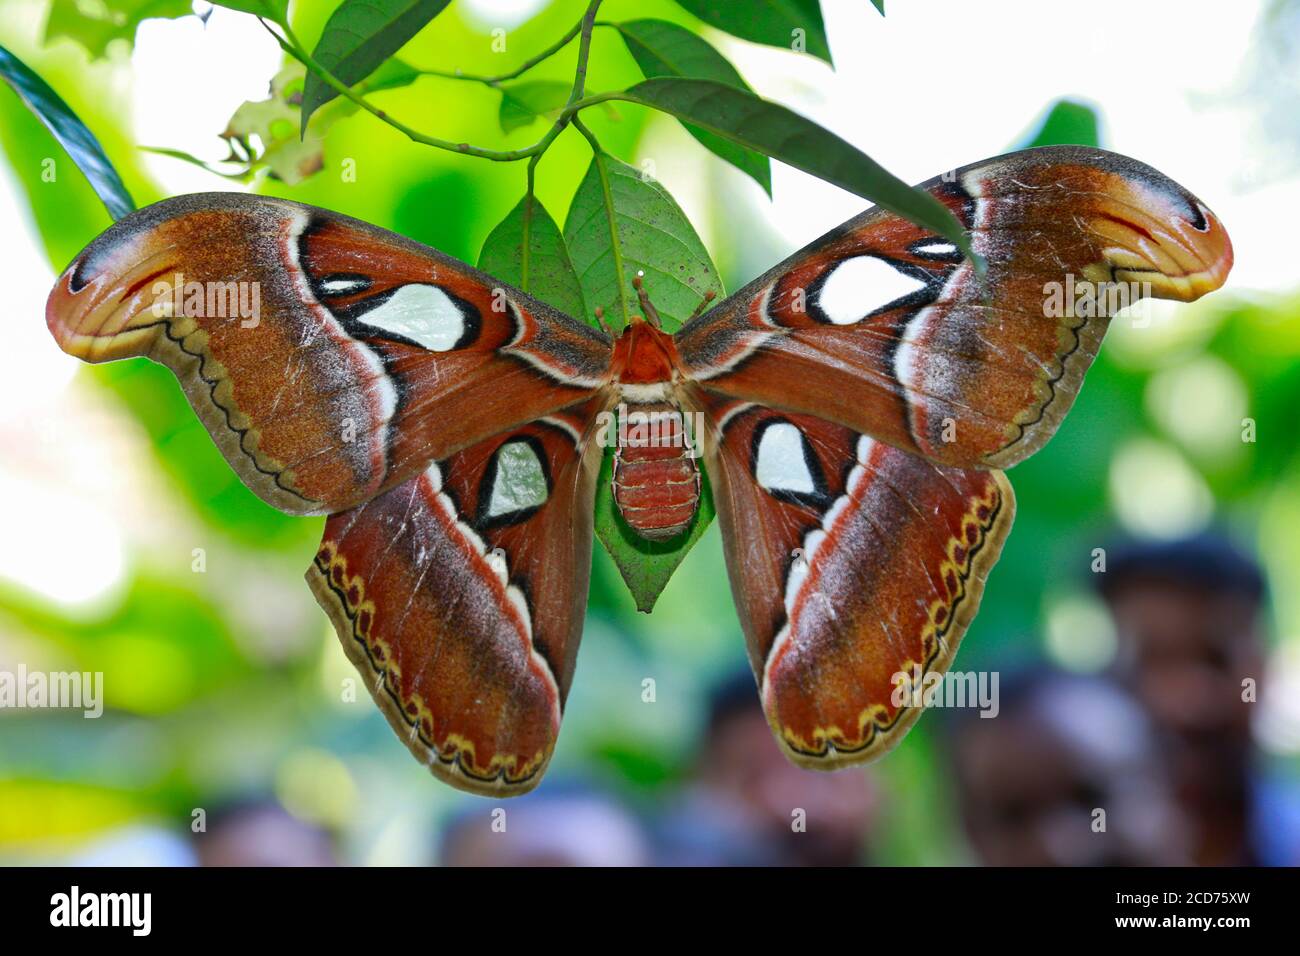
1067 774
1190 620
560 824
748 805
260 832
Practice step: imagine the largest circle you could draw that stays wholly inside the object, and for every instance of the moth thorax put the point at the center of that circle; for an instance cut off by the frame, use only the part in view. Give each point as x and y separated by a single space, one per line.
656 475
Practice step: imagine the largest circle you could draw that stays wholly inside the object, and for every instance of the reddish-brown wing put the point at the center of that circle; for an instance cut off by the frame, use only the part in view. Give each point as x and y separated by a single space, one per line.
329 359
885 328
856 569
460 596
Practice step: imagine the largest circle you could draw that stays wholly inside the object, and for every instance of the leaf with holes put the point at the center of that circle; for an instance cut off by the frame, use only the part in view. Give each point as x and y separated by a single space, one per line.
622 222
527 250
358 37
792 24
273 123
70 131
799 142
666 49
267 133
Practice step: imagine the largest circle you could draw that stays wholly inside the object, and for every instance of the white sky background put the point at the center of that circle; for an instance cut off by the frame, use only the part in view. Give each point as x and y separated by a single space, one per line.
937 84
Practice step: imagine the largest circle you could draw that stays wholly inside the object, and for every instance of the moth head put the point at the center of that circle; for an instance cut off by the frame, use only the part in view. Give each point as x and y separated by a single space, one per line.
644 354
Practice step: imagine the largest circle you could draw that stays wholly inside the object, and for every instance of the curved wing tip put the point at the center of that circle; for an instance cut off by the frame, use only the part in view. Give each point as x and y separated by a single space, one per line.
499 787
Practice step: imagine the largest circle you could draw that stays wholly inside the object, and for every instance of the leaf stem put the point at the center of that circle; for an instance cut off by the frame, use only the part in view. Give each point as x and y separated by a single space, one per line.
607 200
518 71
584 50
583 29
526 248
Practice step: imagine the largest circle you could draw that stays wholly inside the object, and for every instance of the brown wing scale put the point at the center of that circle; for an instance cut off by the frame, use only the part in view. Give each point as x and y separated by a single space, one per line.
460 595
368 355
855 566
884 327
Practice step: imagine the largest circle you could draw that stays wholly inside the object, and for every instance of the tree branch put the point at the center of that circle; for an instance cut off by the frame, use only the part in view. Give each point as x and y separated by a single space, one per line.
583 29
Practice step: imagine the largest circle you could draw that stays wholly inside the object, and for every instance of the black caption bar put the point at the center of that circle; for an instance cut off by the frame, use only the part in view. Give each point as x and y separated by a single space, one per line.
337 906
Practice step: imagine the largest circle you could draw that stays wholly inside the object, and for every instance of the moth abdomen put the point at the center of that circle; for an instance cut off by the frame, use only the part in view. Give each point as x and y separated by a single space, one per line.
656 470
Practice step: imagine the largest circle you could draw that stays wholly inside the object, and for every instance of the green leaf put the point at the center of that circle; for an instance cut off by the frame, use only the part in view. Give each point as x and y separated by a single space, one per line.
621 223
358 37
95 26
71 133
792 24
661 48
546 272
525 102
274 10
1067 123
646 566
879 5
796 140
